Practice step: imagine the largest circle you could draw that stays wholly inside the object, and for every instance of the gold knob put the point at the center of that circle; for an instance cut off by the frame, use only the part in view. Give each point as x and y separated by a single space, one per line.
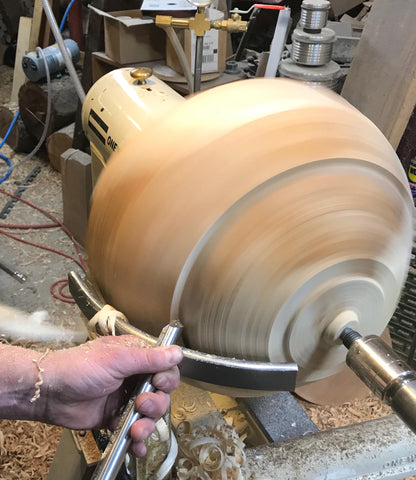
141 74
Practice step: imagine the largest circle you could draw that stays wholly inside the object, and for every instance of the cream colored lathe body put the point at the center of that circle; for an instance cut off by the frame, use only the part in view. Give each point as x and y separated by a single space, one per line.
117 107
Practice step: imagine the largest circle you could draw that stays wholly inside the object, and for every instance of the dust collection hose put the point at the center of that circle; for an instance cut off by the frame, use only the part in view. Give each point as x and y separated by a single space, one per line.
384 373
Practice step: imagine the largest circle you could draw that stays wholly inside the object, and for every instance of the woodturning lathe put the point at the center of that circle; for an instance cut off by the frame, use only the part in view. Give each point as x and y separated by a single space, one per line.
266 215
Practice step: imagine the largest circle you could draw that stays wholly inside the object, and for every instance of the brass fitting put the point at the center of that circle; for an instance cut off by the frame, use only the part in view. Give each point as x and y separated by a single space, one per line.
166 21
233 25
199 23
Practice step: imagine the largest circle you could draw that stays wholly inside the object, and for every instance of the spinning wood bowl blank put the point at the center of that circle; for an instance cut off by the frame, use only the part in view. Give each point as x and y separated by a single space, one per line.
256 213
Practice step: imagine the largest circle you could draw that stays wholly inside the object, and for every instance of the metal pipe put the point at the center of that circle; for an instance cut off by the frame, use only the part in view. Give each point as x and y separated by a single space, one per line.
13 272
383 449
199 50
119 443
278 42
180 53
67 59
384 373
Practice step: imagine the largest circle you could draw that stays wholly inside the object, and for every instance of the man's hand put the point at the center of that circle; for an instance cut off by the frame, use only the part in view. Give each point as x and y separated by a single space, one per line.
87 386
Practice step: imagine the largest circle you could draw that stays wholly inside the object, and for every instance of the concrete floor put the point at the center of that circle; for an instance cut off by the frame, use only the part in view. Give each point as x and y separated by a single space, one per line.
42 268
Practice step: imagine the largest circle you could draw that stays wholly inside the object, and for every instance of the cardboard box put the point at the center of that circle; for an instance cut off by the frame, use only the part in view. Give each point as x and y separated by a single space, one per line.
130 38
215 46
173 7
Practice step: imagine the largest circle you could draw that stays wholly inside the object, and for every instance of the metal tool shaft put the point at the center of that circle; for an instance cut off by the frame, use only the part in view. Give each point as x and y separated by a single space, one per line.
114 454
199 50
12 272
384 373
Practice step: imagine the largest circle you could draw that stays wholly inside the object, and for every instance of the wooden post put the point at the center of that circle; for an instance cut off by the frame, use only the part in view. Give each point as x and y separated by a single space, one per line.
48 38
19 77
382 80
36 25
58 143
33 99
19 139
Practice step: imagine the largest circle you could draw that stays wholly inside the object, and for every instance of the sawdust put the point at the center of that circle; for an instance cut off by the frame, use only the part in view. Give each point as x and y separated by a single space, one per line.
326 417
27 449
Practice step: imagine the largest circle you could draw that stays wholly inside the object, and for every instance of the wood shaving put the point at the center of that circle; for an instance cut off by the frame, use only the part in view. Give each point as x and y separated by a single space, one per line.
209 453
39 382
179 414
105 320
189 407
27 449
329 416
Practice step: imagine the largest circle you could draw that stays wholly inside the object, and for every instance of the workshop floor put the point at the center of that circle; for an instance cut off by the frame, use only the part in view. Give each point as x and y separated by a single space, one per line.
27 448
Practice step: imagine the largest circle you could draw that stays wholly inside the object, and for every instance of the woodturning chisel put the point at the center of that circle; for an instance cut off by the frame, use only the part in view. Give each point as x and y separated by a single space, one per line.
119 443
12 272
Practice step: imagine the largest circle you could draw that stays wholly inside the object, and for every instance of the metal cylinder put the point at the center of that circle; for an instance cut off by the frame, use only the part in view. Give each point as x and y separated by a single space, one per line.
314 14
386 375
312 48
321 76
382 449
34 66
199 49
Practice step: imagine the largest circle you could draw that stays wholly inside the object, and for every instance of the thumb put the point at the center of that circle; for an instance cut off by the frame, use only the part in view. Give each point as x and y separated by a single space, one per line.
128 357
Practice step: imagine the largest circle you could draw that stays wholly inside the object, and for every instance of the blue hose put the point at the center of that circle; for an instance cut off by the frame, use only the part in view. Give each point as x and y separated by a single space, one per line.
68 8
9 163
6 136
10 128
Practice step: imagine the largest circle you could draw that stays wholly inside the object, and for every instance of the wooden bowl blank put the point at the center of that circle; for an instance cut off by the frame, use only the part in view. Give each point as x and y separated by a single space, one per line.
256 212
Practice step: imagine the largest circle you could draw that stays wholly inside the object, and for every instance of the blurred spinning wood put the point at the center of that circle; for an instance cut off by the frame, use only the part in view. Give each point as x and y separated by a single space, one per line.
256 213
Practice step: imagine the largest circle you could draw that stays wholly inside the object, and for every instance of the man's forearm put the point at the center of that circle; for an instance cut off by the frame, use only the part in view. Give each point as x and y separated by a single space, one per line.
21 374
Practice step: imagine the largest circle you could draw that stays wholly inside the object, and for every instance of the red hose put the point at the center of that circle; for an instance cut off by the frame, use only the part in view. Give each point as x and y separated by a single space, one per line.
75 24
269 7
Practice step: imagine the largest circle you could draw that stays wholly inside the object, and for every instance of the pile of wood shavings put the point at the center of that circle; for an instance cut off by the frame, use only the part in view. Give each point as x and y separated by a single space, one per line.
27 449
209 453
326 417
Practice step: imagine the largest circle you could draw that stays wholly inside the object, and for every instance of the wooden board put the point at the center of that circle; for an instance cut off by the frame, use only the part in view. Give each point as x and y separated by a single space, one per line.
382 79
47 37
36 25
19 76
57 143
